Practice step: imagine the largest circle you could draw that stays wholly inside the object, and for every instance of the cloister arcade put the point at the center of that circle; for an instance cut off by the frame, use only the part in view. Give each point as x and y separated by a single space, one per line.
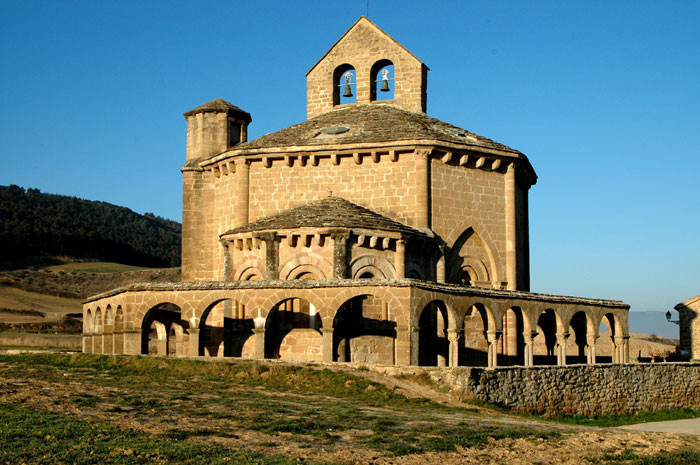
399 322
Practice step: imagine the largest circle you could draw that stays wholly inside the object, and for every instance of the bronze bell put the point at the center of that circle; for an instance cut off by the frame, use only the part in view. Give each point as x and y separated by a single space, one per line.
385 86
348 91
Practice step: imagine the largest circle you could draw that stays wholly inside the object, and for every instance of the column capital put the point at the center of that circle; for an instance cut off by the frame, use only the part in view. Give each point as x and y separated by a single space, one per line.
423 153
258 330
193 330
339 234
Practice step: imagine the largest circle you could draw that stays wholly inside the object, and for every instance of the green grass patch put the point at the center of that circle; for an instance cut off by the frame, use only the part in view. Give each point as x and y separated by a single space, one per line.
627 419
40 437
626 457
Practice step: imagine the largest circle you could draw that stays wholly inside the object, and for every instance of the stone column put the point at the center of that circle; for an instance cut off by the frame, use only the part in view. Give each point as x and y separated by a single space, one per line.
453 337
400 259
272 255
327 344
193 349
132 341
259 343
441 272
340 252
423 188
529 358
511 240
626 349
591 341
561 348
242 193
492 338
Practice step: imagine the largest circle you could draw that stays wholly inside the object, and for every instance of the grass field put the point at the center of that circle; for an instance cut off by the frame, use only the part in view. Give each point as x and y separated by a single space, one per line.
95 409
53 307
94 267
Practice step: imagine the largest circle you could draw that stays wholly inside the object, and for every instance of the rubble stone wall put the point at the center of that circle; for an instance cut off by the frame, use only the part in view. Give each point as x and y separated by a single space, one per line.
575 390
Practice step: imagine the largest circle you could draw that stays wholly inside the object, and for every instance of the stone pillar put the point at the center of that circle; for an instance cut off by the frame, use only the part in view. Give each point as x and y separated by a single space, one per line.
591 341
511 240
529 357
626 349
193 344
340 252
259 343
132 341
242 193
492 338
400 259
272 255
441 272
162 347
108 342
403 346
453 337
87 344
327 344
561 348
423 188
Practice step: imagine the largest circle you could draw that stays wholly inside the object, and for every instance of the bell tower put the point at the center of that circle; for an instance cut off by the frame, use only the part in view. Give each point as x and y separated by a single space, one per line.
366 65
215 127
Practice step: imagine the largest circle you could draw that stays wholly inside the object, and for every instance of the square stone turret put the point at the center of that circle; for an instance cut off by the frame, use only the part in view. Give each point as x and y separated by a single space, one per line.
215 127
365 50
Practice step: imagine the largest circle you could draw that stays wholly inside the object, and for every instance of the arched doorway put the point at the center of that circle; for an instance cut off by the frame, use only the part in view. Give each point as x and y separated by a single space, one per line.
512 343
293 331
474 349
433 345
544 344
156 337
364 331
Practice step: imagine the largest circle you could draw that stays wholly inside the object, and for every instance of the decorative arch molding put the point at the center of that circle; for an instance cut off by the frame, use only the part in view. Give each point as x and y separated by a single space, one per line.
207 302
305 263
373 263
473 266
483 235
249 269
426 298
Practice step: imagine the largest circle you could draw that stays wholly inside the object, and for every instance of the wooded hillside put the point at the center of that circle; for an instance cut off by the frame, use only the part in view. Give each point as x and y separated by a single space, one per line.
33 223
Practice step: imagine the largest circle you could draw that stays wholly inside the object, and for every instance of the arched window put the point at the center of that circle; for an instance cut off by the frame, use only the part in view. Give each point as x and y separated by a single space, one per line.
382 81
344 85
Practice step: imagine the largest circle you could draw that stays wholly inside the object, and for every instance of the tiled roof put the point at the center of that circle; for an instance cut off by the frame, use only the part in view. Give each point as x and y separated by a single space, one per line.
219 105
327 213
369 123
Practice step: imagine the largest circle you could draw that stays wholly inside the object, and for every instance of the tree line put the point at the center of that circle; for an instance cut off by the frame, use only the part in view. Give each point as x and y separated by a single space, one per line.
33 223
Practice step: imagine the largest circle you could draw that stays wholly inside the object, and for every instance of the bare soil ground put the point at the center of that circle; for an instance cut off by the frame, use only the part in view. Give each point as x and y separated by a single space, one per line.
307 413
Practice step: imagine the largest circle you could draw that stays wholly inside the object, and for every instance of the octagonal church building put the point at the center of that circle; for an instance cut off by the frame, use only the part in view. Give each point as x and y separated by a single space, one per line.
368 233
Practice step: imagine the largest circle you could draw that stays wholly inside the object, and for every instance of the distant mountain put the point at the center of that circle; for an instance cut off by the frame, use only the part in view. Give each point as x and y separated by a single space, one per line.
36 224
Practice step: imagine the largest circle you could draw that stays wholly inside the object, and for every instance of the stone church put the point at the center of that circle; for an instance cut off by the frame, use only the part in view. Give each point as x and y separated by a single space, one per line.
369 233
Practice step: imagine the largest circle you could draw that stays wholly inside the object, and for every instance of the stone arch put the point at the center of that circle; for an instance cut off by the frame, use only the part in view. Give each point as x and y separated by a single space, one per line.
472 271
155 327
414 270
511 345
376 83
119 319
580 325
396 312
548 324
459 236
250 270
364 331
306 263
97 324
109 316
433 344
293 332
225 325
266 306
88 323
341 84
476 319
611 321
378 266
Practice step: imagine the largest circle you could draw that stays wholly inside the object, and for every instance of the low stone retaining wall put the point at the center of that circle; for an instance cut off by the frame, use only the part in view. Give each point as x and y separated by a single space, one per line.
573 389
63 341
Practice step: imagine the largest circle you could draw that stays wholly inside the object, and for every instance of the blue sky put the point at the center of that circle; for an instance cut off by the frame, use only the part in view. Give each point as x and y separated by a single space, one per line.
603 97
